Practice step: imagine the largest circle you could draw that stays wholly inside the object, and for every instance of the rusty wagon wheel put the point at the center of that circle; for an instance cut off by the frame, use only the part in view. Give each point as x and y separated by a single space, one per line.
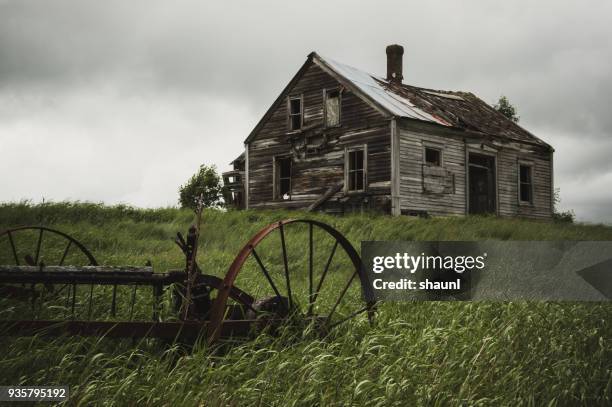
24 252
297 284
40 246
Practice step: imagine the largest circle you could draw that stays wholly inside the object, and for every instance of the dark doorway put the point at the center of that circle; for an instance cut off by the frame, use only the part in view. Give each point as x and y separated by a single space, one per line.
482 184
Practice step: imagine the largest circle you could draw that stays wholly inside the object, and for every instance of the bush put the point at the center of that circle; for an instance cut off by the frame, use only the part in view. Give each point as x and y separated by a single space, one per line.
565 216
205 182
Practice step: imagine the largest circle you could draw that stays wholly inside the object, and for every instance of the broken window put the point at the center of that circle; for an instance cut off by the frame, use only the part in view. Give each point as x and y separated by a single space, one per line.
525 184
295 113
433 156
332 108
355 172
283 178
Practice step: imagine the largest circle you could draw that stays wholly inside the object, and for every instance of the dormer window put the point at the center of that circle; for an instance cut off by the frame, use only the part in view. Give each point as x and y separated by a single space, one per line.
295 113
332 108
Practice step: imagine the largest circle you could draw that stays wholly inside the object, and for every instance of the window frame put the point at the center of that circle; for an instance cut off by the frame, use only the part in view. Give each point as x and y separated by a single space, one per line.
531 167
299 97
436 147
326 91
276 178
347 170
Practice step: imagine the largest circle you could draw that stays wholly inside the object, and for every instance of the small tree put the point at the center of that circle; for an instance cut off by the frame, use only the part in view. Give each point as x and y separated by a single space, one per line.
504 106
566 216
205 182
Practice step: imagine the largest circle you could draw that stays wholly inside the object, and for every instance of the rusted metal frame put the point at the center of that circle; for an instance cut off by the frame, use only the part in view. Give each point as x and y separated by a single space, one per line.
320 284
183 331
344 290
235 293
10 236
266 274
26 275
286 265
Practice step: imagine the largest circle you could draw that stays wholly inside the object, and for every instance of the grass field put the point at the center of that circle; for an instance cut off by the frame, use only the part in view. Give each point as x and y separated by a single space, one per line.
436 353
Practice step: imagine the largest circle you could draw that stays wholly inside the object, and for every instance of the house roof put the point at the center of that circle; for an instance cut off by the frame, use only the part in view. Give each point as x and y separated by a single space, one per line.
240 158
459 110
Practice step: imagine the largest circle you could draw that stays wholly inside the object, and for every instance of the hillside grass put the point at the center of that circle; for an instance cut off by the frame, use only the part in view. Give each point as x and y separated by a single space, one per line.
435 353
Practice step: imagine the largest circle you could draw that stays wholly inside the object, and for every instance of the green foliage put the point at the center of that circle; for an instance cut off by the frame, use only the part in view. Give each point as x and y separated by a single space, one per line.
434 353
207 183
504 106
564 217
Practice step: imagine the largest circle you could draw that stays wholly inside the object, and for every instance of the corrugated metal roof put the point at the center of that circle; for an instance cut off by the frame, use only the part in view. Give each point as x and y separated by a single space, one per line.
462 110
375 88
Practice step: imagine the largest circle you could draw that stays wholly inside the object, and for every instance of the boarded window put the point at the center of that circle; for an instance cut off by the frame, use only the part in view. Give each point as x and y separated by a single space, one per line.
525 184
283 178
332 108
356 173
433 156
295 113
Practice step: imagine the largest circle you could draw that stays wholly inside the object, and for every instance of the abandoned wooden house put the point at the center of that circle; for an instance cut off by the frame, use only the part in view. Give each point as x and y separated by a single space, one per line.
338 139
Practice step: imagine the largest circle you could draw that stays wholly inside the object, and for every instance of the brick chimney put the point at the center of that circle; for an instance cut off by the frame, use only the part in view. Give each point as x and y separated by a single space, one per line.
394 63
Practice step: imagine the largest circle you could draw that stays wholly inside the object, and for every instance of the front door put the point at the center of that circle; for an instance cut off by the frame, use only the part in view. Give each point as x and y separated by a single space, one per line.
481 184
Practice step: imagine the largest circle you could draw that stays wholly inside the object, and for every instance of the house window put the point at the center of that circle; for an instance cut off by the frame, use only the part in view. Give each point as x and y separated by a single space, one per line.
283 178
433 156
355 171
295 113
525 184
332 108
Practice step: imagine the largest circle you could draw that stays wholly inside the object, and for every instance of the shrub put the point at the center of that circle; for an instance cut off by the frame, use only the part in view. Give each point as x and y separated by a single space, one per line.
207 183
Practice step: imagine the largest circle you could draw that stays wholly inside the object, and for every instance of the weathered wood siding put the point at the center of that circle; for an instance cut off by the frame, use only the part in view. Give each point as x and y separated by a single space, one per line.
442 191
318 152
435 191
508 181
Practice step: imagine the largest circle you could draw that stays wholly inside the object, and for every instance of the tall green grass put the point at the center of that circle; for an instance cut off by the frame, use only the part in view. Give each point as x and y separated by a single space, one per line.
415 354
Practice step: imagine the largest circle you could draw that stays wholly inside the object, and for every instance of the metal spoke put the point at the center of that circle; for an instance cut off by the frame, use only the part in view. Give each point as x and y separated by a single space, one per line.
282 233
316 293
38 244
341 296
10 236
352 315
265 271
61 263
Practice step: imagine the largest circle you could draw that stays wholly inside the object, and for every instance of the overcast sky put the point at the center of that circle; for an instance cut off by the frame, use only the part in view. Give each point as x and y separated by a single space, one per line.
120 101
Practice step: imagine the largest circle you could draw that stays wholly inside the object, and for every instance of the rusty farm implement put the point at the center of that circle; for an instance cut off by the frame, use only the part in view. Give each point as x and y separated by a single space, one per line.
292 270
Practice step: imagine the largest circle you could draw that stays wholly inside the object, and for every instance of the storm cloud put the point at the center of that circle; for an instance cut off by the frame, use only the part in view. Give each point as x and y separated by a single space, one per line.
121 101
